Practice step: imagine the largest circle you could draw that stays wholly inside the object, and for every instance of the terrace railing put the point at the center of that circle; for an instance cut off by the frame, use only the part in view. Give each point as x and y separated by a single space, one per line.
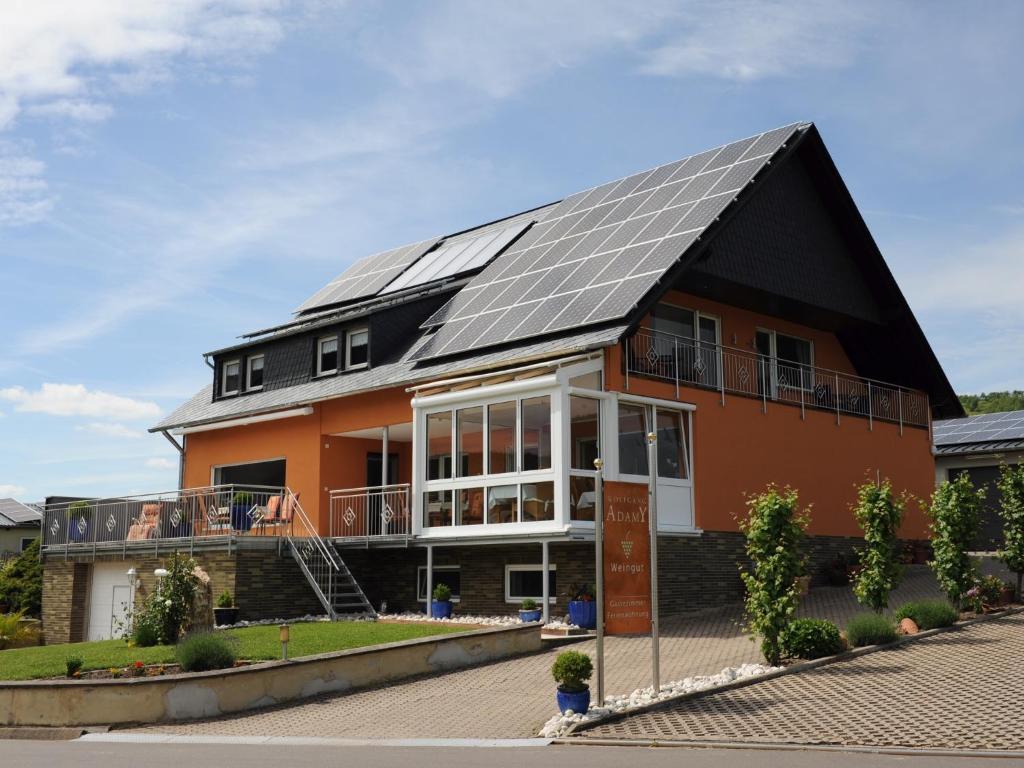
371 513
207 515
689 363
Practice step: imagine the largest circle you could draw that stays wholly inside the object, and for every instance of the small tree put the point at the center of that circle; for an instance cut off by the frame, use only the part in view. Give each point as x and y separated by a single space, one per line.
21 581
1011 510
955 513
775 530
879 514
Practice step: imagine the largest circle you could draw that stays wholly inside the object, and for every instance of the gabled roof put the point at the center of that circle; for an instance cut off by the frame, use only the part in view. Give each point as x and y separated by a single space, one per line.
14 514
984 433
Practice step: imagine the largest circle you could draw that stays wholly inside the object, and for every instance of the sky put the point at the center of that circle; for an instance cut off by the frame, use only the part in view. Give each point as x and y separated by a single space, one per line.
177 172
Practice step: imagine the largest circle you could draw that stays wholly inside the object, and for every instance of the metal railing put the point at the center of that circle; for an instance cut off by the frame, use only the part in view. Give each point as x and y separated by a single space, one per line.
373 512
187 516
689 363
317 559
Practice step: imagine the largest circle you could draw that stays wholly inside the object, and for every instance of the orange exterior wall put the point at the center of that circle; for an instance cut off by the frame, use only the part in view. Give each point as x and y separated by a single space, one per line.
738 450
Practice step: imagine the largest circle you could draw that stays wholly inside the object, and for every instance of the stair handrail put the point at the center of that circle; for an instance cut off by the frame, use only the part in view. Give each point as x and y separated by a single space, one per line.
309 533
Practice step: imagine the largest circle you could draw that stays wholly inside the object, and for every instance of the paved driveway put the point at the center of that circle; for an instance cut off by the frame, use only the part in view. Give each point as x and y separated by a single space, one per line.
514 698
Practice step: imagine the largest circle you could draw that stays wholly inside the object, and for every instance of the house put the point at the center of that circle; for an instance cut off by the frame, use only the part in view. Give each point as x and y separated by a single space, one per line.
433 413
978 445
19 527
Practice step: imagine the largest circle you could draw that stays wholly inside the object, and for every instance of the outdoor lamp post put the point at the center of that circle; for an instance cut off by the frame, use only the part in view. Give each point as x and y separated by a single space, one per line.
285 635
160 573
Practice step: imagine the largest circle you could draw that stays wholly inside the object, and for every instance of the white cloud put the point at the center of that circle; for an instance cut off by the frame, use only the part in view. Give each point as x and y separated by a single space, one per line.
110 430
75 109
161 463
9 490
24 194
76 400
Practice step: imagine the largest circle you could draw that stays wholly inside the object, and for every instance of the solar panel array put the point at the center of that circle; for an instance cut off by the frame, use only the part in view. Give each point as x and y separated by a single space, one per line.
598 252
368 275
457 255
987 427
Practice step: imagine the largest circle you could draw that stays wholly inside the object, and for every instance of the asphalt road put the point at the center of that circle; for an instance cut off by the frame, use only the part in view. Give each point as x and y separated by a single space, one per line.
84 754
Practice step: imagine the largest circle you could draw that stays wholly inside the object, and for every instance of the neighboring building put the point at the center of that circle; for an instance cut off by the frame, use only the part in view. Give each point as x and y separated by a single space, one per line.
978 445
19 527
433 413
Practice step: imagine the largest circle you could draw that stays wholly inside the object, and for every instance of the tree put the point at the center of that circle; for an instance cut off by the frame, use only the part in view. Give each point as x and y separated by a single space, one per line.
993 402
21 581
879 514
1011 510
774 529
955 514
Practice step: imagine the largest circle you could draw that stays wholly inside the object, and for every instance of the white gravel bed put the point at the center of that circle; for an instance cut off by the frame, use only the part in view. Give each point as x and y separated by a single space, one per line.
307 619
559 724
559 624
488 621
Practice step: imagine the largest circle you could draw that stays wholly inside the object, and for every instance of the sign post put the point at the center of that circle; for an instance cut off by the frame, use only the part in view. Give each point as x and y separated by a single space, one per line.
652 482
599 575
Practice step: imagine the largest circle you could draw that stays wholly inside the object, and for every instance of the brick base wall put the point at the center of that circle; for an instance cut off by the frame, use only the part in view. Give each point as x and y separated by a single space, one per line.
268 586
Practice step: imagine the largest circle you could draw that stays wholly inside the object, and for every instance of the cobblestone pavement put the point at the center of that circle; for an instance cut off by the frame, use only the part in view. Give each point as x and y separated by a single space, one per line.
514 698
957 690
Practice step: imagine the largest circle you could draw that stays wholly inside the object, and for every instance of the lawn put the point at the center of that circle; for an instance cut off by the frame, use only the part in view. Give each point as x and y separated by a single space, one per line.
253 643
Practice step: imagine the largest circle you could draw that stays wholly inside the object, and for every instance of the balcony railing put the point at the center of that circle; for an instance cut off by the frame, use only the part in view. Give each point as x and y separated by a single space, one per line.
689 363
371 513
190 515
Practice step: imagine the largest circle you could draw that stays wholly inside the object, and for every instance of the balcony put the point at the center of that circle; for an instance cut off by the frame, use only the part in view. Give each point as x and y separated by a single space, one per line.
378 513
727 370
193 516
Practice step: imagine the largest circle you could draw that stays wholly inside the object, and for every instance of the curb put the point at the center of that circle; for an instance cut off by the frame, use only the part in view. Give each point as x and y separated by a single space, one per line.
790 670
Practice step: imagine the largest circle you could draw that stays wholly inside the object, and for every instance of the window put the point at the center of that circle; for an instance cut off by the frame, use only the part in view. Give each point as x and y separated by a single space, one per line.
584 431
538 501
357 348
523 581
581 498
788 363
471 506
672 445
439 445
437 509
632 439
587 381
501 429
26 543
536 420
230 374
693 354
450 575
255 376
327 356
503 504
470 434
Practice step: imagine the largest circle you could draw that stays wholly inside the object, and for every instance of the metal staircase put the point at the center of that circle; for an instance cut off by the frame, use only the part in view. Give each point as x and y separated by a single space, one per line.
326 572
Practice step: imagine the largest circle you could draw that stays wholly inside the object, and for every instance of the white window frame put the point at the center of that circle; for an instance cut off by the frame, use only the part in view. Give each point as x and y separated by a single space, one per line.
773 359
224 391
248 372
509 569
320 355
422 569
348 349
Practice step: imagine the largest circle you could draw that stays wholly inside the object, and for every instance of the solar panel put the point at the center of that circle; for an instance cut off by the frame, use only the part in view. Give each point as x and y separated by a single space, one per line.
368 275
986 427
457 255
598 252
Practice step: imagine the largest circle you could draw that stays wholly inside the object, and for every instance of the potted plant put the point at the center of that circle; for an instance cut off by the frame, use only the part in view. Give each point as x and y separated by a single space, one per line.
241 503
571 671
225 612
582 608
79 518
529 611
1007 593
441 606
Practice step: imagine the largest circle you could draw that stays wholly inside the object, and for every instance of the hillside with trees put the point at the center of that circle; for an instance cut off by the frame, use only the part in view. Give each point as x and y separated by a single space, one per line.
993 402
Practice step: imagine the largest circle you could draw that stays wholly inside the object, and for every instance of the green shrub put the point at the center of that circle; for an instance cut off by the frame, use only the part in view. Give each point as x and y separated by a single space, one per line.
869 629
1011 510
166 613
928 614
991 590
955 513
811 639
879 514
21 582
73 665
774 530
225 600
528 604
442 593
12 631
571 671
204 651
241 499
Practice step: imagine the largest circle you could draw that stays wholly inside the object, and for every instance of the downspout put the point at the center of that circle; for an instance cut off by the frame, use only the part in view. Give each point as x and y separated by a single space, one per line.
180 447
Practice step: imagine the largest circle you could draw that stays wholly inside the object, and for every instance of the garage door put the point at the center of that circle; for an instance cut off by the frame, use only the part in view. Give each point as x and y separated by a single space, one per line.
110 598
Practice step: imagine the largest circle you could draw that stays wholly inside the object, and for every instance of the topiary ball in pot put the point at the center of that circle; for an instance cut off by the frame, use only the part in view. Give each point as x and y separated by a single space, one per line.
441 606
571 671
529 610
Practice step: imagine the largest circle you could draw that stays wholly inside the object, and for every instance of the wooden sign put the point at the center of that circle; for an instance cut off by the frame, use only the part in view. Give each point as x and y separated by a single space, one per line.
627 559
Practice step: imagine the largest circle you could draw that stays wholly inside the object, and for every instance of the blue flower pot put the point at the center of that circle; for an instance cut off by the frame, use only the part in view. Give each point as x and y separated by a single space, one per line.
583 613
240 520
441 610
530 615
577 701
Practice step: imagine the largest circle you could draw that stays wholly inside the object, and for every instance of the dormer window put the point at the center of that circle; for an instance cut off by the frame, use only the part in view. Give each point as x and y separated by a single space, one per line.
357 348
327 355
254 379
230 377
